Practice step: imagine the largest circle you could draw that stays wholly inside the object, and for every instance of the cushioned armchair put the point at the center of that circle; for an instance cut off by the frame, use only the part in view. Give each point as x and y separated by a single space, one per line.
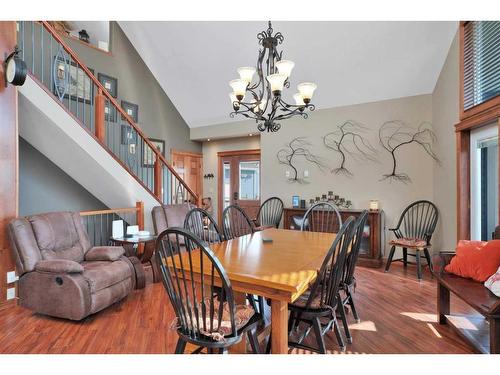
60 274
170 215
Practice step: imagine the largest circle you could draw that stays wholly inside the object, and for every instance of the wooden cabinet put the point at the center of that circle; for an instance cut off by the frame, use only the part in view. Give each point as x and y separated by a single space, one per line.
370 253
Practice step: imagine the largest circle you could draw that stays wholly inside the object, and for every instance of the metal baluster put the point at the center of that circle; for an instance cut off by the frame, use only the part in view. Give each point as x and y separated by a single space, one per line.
33 47
77 99
51 61
41 32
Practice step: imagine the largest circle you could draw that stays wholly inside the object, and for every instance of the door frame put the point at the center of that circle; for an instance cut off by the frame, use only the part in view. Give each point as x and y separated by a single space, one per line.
175 152
220 155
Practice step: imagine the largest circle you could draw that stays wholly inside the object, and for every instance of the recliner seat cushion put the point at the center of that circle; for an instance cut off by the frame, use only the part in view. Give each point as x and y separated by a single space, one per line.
108 253
57 236
102 274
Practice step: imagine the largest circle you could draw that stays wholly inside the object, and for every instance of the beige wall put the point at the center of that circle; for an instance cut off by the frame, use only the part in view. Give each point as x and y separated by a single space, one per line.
445 107
210 160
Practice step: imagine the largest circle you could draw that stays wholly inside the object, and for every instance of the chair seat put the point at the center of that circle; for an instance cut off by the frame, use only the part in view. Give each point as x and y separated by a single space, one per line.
103 274
316 304
410 243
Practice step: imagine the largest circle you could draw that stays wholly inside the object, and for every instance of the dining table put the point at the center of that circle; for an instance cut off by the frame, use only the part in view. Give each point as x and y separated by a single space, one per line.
277 264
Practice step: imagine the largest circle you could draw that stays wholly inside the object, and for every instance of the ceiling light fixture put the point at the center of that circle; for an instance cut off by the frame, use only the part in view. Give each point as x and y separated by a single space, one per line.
265 103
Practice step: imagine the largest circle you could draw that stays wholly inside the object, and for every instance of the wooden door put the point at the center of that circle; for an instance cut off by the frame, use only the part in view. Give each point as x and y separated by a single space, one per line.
189 166
239 181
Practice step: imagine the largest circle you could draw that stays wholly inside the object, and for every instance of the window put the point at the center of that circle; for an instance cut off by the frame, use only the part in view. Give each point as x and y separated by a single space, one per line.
249 180
481 62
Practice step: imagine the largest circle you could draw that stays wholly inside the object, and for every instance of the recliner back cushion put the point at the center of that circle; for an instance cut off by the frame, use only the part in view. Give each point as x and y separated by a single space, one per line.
57 236
171 215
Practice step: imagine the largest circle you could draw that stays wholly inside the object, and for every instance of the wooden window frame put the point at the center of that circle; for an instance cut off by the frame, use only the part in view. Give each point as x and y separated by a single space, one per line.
477 109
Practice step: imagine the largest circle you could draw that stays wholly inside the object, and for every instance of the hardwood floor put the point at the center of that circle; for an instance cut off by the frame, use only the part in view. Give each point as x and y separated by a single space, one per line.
398 315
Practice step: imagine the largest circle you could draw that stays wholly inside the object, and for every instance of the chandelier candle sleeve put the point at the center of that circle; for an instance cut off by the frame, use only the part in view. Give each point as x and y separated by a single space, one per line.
277 81
239 87
285 67
306 89
246 73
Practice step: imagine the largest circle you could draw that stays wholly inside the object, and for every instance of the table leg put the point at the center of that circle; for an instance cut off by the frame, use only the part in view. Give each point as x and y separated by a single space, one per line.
279 327
241 347
494 336
443 303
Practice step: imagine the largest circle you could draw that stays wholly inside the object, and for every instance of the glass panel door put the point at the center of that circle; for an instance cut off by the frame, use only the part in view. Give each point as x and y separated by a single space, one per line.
484 182
249 178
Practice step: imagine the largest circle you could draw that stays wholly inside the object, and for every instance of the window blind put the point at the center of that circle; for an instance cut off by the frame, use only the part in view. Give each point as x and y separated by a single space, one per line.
481 62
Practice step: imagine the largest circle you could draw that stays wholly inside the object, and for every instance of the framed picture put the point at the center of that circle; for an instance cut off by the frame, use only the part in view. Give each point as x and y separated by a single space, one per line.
148 159
295 201
130 109
109 83
128 135
71 81
110 112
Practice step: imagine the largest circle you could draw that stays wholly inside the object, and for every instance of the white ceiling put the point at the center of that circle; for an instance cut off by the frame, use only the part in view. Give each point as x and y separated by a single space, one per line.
352 62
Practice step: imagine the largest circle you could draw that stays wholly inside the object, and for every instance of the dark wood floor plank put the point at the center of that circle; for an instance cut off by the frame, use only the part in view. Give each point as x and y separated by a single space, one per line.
398 315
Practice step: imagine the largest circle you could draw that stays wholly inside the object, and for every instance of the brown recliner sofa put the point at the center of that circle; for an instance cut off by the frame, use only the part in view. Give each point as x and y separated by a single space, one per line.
60 274
170 215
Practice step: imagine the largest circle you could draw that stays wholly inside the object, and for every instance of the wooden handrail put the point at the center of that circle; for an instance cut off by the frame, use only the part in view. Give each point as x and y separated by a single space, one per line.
112 100
110 211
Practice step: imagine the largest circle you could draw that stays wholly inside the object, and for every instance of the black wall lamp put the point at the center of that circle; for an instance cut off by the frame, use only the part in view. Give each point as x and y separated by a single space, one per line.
209 176
15 69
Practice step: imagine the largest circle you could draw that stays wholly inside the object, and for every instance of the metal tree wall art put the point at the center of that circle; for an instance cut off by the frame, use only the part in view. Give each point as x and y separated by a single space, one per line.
395 134
297 147
349 141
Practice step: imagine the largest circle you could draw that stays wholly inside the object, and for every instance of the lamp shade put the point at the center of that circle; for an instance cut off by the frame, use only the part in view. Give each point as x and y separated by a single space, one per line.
239 87
246 73
306 89
299 100
285 67
277 81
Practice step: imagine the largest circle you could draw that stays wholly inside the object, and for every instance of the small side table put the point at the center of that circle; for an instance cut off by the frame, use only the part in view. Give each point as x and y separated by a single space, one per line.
131 245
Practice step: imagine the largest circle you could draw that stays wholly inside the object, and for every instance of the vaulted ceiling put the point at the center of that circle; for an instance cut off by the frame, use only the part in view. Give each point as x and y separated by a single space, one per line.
351 62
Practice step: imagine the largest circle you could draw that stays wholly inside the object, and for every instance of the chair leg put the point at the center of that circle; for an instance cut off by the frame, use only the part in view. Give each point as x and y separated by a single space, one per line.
353 307
222 350
389 259
319 336
262 309
340 340
268 345
251 299
344 323
429 261
254 343
291 322
181 345
419 265
405 257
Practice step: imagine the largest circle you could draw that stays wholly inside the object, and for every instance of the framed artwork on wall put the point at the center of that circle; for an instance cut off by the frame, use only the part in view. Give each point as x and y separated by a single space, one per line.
130 109
71 81
110 113
148 159
128 135
109 83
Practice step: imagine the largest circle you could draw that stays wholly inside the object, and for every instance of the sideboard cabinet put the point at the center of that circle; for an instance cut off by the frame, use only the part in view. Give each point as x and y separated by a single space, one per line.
370 253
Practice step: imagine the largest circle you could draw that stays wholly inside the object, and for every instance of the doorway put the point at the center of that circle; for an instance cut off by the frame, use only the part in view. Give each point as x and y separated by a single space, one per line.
189 166
239 181
484 181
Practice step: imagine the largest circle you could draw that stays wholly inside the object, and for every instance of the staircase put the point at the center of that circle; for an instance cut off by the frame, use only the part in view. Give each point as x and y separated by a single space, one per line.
66 113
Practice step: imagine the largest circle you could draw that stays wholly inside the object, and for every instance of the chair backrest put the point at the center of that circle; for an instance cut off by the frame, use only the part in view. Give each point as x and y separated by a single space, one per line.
53 235
418 220
322 217
169 215
203 225
326 286
270 212
235 222
358 229
200 305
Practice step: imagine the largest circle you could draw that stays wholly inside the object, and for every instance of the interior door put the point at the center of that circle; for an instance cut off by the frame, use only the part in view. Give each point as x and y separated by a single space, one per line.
239 182
189 167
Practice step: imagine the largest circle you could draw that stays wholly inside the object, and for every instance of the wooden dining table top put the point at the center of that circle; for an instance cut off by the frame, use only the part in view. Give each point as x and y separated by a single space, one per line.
282 269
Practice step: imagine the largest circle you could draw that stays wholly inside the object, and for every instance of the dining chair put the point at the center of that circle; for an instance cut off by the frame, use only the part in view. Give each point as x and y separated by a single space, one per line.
235 222
199 222
317 308
414 232
206 314
322 217
348 282
270 213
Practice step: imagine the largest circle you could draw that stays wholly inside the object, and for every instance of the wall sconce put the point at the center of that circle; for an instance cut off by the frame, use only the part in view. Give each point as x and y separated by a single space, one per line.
209 176
15 69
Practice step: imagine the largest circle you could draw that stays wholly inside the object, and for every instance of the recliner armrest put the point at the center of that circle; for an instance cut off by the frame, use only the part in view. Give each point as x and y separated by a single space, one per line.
58 266
107 253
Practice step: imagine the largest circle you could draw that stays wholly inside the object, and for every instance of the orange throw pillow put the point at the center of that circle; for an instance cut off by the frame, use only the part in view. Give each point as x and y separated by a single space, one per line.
477 260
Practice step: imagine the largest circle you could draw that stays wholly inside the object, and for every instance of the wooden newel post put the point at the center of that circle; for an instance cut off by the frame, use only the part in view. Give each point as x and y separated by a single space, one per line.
157 178
100 131
140 214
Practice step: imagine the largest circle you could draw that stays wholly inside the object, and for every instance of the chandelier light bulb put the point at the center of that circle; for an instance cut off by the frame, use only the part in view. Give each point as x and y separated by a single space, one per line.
234 101
285 67
306 89
299 100
239 87
246 73
277 81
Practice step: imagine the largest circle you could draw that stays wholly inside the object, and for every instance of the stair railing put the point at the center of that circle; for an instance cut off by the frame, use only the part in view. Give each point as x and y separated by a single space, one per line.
60 72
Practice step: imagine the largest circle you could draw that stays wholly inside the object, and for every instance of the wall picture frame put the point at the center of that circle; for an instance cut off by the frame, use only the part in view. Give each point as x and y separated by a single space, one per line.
109 83
148 159
128 135
130 109
71 82
110 112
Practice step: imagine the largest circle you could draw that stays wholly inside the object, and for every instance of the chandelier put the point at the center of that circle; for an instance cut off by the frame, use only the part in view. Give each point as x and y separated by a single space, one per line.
261 99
